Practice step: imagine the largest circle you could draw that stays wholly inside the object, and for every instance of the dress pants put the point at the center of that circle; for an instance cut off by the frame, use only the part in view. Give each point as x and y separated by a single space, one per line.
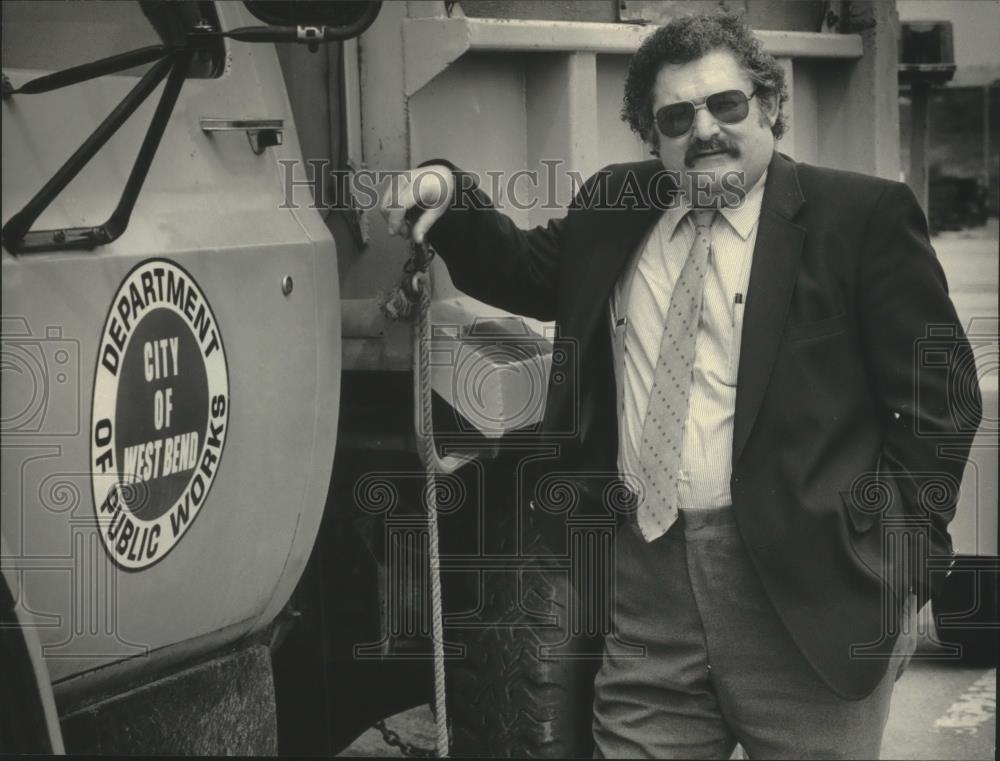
719 666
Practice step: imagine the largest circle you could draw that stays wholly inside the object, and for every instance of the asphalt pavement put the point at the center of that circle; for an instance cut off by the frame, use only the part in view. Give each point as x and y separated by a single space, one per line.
940 710
970 262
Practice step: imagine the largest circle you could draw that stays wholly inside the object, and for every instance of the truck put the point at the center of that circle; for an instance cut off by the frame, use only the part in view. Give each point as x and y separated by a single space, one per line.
249 438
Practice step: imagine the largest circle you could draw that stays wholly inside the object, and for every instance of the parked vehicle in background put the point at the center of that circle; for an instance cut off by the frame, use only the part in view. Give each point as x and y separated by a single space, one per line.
956 202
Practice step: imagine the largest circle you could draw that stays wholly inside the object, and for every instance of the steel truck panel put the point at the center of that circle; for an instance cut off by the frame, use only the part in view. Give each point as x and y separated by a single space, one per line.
216 211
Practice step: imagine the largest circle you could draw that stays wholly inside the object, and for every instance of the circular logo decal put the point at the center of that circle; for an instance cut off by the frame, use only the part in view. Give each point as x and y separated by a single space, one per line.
160 412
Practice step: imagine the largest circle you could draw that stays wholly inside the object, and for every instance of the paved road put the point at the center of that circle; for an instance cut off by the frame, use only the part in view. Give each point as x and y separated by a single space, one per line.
970 262
942 711
939 710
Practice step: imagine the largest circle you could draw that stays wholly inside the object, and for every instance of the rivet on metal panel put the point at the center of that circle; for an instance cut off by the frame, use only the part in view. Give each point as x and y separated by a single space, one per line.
286 284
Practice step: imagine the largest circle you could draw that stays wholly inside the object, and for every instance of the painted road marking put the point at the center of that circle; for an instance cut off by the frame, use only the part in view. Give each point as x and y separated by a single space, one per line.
975 707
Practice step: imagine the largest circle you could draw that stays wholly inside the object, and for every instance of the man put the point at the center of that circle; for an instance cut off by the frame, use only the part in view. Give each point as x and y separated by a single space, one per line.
759 383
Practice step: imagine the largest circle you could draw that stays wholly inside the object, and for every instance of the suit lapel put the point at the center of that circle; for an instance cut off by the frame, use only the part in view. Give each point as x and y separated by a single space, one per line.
611 239
772 278
613 236
607 239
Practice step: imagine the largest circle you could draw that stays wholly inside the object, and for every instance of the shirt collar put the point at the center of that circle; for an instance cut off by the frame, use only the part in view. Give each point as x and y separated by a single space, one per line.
741 218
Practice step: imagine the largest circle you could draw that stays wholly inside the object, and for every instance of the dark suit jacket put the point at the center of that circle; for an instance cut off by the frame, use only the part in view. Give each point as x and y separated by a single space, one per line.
835 384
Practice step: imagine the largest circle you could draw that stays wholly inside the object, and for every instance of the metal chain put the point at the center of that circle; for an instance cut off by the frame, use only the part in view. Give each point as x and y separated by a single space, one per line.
420 258
391 738
400 302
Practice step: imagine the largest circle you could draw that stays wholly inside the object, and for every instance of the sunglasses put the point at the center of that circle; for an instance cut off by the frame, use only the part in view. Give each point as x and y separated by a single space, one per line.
728 106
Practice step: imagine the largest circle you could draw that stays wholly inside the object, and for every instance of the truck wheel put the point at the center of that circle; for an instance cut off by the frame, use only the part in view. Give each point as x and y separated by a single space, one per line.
506 697
24 727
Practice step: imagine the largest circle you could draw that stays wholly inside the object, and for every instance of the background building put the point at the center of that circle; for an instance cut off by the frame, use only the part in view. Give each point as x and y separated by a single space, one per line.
963 150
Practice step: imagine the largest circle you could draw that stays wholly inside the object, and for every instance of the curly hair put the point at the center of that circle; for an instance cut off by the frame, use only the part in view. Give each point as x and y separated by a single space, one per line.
687 39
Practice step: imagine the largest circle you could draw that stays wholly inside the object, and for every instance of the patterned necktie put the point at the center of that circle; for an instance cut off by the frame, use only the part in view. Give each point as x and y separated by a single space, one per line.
666 413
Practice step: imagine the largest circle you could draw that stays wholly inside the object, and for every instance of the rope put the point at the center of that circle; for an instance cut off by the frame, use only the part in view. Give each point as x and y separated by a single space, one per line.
414 292
423 423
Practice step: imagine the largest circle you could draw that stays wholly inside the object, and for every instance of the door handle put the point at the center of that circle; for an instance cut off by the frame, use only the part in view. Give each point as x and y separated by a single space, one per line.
261 133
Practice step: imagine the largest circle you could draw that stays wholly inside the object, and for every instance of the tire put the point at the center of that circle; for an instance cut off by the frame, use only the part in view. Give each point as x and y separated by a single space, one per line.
508 699
24 727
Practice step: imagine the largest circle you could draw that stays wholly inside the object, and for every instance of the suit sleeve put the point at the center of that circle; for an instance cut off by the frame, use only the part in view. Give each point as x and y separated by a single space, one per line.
493 260
922 363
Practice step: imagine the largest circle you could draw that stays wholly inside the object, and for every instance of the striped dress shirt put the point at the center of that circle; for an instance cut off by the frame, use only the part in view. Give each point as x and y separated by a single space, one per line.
638 312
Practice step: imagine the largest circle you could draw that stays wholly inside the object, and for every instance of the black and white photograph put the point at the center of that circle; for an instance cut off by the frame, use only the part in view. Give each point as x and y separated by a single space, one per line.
500 378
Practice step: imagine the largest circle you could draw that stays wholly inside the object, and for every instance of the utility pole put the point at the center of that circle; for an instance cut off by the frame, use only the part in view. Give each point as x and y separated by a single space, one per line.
926 60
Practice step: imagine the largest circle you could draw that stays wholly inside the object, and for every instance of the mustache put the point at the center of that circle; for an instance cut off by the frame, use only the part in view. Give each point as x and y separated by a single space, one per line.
699 147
